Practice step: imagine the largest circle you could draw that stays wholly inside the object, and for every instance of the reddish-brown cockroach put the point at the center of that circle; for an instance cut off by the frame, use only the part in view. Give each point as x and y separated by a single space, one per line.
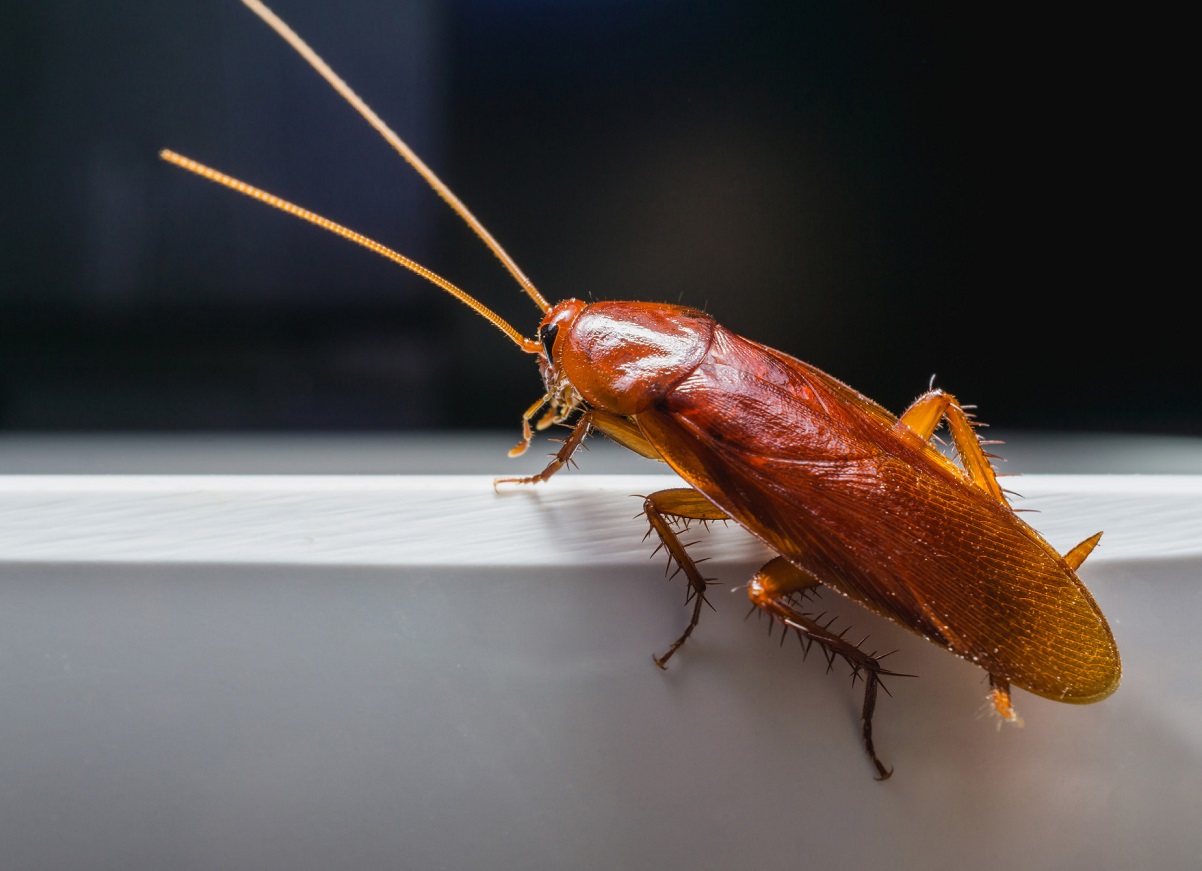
846 494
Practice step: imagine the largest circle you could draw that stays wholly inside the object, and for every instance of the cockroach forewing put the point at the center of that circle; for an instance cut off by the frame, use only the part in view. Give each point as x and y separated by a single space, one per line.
819 473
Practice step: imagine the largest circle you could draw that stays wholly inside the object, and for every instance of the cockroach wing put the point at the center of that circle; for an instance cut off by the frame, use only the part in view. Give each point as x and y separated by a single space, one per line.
819 473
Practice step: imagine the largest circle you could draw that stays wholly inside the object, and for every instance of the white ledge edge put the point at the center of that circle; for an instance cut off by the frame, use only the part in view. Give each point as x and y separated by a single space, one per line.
444 520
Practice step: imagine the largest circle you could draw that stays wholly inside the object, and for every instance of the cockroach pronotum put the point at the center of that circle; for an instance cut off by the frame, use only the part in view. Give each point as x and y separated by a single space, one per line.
846 494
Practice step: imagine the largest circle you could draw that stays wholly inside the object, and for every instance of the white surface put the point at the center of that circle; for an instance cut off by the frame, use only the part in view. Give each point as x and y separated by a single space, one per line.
395 672
464 521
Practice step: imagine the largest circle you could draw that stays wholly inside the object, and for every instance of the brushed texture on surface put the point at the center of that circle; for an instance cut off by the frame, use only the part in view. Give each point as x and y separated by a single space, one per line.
463 520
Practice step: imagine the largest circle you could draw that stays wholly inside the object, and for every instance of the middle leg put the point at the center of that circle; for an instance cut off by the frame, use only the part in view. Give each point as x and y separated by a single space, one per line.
687 504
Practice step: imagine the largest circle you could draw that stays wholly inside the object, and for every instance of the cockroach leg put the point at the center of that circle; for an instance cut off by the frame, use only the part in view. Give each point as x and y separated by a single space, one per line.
923 416
688 504
773 590
999 694
621 429
562 457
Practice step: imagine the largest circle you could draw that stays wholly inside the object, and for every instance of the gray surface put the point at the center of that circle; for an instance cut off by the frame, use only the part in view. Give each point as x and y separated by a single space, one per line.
450 453
311 719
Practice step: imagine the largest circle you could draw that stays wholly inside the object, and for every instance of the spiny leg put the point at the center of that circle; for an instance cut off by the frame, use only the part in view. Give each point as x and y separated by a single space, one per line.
621 429
923 416
999 694
688 504
658 507
773 590
562 457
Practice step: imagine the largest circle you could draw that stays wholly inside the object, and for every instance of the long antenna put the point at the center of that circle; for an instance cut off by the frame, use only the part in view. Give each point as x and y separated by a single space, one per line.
302 48
529 345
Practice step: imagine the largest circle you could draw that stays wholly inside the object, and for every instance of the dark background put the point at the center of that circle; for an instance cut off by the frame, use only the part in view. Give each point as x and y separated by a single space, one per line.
887 190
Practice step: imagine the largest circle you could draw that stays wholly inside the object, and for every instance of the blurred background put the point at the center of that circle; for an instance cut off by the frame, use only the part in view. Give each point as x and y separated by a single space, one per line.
889 191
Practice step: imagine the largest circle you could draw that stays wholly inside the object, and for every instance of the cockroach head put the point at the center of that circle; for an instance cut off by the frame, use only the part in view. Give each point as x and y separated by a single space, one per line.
551 331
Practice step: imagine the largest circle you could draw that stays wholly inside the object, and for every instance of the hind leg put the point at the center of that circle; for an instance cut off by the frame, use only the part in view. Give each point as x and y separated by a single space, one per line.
774 589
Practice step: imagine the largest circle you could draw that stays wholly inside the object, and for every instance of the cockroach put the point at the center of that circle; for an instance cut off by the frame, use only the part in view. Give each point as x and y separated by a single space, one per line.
847 495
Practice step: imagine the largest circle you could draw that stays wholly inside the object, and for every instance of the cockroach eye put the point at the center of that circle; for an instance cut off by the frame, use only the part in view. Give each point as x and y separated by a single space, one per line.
548 334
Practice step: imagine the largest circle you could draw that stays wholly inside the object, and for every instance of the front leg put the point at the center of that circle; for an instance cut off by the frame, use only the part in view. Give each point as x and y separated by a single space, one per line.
562 457
621 429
